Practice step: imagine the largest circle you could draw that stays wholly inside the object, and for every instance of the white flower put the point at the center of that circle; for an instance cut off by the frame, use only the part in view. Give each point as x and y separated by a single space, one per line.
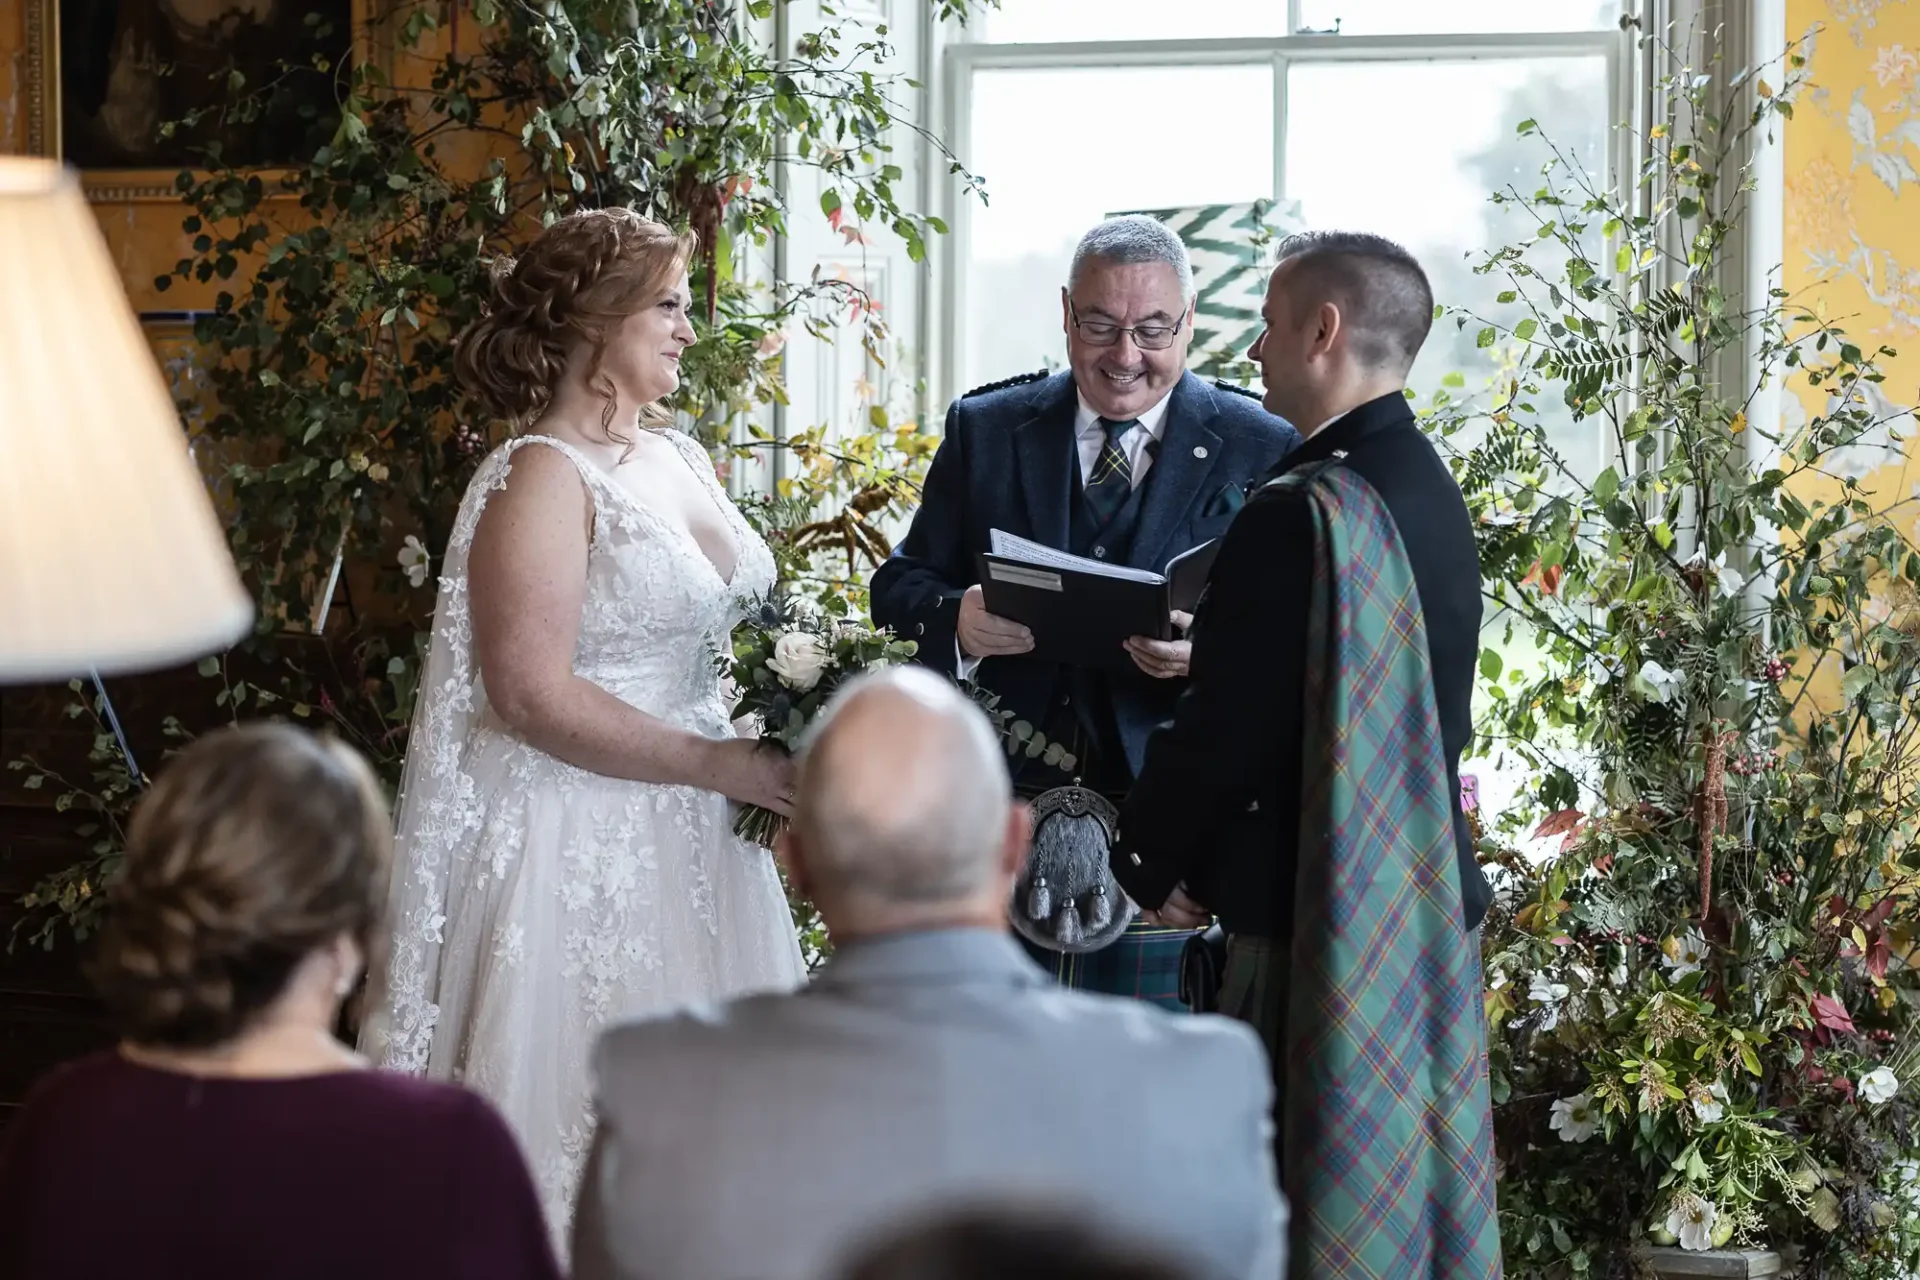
1683 955
1665 683
415 560
1732 581
1710 1104
798 659
1692 1220
1543 990
1878 1086
1907 1181
1575 1118
592 99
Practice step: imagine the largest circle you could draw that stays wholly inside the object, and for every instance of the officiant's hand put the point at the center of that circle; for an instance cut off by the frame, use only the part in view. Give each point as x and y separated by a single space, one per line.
988 635
1164 659
1179 912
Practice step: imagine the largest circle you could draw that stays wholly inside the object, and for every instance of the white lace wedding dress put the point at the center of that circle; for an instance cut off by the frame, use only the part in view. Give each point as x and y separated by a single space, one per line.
534 901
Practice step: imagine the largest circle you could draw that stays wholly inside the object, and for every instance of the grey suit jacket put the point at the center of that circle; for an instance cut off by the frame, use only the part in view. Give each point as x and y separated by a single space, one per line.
763 1139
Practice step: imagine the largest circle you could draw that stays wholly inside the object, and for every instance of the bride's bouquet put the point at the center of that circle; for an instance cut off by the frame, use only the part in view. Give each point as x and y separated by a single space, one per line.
787 661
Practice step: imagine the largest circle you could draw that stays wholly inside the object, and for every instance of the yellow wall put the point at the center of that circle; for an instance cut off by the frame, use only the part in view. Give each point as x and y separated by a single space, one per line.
1852 212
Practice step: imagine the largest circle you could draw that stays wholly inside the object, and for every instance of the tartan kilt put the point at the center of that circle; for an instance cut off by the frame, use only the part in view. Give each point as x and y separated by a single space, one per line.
1143 963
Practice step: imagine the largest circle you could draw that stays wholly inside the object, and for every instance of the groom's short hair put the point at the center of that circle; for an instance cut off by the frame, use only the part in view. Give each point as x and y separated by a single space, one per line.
903 792
1382 293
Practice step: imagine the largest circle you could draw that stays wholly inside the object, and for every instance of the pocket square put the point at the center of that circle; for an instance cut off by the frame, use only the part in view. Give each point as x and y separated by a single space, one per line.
1229 500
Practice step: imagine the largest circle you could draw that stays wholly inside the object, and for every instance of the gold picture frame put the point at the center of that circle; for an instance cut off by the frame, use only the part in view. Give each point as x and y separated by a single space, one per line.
45 90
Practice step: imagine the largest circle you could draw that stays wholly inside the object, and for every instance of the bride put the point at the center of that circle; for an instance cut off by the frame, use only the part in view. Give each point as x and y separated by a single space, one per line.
564 853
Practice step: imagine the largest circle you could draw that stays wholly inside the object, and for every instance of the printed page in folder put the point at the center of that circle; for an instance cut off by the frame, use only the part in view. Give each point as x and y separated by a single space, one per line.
1009 547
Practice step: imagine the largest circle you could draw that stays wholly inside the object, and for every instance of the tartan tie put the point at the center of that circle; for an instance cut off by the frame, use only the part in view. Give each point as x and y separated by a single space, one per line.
1112 480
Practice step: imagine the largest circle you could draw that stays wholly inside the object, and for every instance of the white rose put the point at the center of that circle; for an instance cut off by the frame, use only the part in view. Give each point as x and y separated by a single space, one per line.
1879 1085
1575 1118
798 659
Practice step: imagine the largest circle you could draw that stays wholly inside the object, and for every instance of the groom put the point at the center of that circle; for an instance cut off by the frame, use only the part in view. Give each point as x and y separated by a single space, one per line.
1308 788
1126 457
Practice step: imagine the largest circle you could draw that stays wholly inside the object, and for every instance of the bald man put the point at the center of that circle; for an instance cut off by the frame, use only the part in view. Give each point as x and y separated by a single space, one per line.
931 1064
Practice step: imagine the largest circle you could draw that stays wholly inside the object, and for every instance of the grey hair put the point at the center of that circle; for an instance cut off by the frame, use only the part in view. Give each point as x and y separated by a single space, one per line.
1134 237
1380 288
908 810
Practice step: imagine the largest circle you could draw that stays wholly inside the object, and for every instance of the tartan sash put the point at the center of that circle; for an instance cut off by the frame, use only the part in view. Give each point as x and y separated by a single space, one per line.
1387 1149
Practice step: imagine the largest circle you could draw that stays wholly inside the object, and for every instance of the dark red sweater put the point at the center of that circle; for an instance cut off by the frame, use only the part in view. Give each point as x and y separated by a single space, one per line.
116 1169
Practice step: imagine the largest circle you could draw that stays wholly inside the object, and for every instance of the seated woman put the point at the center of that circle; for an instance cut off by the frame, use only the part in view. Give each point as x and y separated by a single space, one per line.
231 1135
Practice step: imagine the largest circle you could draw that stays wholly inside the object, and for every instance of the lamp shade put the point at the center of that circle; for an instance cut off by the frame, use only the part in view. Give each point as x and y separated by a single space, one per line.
111 557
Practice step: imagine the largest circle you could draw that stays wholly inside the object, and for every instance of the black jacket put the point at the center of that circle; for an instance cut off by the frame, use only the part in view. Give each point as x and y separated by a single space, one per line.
1217 804
1008 462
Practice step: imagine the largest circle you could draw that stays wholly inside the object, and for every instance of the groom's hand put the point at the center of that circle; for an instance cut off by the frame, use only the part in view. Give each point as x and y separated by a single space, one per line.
988 635
1179 912
1163 659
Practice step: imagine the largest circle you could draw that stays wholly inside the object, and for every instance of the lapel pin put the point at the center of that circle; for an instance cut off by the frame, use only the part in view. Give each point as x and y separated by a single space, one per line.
1199 451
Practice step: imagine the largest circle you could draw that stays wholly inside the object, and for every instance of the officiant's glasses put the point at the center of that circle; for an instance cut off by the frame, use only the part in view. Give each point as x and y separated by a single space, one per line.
1102 333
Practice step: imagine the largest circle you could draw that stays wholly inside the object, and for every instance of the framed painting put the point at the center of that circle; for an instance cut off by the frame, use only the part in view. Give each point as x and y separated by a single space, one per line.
106 78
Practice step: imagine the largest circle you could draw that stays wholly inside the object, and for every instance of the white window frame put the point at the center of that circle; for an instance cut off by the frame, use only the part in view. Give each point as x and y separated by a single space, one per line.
952 86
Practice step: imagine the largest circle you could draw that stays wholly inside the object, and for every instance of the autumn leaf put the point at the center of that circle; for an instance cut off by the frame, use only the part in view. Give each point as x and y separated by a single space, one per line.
1560 823
1548 580
1831 1014
1879 951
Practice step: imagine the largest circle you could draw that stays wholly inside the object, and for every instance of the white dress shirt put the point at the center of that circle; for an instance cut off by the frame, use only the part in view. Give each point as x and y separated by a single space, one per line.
1089 438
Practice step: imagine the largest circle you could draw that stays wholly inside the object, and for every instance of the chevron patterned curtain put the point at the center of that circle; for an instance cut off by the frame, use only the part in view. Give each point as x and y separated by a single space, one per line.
1232 247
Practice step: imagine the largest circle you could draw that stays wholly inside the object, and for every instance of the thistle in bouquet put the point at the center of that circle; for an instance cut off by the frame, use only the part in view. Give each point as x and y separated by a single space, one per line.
788 659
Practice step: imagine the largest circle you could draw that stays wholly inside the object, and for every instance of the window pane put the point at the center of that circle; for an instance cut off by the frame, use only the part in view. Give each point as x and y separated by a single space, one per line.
1358 161
1043 21
1062 148
1393 17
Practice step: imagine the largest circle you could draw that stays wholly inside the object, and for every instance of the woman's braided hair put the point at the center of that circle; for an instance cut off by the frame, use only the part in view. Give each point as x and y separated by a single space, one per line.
575 282
257 846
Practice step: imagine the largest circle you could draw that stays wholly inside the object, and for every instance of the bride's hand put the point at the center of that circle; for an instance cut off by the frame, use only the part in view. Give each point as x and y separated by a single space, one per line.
753 774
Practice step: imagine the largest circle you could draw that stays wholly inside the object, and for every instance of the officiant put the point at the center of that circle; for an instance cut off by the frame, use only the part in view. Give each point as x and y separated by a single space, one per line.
1124 457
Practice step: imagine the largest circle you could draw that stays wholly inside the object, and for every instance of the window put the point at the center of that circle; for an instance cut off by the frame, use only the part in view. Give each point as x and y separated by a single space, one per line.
1072 21
1402 123
1043 197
